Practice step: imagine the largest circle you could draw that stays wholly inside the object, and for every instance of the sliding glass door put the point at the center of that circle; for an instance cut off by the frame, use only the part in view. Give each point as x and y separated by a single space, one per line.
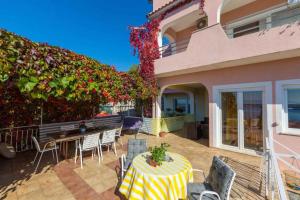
242 119
253 120
229 118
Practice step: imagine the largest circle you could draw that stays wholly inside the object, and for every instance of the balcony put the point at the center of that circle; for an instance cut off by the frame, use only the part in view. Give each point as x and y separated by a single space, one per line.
174 48
269 19
214 47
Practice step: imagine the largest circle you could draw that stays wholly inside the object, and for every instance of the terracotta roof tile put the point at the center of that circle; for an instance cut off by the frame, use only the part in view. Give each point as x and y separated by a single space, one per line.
163 7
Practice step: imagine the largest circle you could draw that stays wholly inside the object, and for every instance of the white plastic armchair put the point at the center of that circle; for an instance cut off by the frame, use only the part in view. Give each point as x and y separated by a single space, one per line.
202 195
108 139
135 147
89 143
123 161
47 147
205 192
216 186
118 135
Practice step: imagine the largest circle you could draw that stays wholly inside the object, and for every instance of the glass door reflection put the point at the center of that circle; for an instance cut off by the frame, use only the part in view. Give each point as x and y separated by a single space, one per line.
253 120
229 118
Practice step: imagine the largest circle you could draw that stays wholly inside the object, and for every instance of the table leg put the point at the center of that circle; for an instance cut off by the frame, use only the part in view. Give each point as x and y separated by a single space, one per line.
67 149
63 151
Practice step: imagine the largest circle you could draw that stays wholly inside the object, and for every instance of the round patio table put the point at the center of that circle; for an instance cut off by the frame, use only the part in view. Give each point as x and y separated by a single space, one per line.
168 181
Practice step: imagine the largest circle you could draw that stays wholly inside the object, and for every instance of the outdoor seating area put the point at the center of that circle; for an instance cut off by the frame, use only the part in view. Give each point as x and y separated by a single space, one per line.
150 100
108 178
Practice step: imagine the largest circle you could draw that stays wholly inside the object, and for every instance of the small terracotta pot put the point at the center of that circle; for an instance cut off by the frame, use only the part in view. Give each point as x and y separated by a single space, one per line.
152 163
163 134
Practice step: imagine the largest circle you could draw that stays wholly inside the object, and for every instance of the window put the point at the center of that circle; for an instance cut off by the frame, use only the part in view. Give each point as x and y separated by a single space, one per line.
246 29
288 107
293 108
180 105
287 16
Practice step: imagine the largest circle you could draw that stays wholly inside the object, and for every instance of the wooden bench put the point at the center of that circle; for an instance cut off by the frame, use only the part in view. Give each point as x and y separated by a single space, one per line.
47 129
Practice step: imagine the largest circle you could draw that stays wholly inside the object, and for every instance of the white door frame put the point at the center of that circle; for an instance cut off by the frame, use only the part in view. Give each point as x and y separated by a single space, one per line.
265 87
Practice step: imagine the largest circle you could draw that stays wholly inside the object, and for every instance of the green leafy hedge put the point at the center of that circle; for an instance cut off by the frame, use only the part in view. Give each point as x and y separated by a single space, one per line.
38 72
42 71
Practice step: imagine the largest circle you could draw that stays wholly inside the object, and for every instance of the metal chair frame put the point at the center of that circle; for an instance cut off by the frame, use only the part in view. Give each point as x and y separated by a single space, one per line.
45 149
88 143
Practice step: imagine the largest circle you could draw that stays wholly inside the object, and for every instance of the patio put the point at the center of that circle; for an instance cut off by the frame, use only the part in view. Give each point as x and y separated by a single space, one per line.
67 181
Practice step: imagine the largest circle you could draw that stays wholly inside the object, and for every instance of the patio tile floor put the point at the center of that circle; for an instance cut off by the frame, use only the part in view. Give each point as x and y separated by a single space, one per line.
67 180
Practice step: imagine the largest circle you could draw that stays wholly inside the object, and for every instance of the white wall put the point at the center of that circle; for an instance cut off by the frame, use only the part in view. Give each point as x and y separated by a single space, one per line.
201 104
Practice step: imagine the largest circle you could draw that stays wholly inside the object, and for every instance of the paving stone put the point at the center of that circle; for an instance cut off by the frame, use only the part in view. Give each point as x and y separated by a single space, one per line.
67 180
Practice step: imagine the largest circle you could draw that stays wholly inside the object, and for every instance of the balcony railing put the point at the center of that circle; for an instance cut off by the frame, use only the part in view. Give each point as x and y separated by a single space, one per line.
275 186
19 137
287 17
174 48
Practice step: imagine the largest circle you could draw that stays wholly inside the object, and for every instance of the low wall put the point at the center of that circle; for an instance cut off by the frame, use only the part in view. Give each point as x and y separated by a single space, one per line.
167 124
170 124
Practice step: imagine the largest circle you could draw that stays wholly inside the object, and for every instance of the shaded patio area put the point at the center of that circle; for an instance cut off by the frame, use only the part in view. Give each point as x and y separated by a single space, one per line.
67 181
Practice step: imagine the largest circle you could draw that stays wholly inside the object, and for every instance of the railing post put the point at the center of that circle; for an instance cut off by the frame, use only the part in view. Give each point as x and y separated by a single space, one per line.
268 22
42 114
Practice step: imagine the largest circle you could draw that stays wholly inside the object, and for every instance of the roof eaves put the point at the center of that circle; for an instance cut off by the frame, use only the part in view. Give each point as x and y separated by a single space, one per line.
163 8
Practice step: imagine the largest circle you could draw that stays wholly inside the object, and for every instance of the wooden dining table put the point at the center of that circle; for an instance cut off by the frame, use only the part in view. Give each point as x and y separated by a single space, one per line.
65 137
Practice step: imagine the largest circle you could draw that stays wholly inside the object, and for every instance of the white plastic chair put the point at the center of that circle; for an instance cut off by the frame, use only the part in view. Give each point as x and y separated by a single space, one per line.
108 139
90 125
135 147
89 143
216 186
49 146
118 135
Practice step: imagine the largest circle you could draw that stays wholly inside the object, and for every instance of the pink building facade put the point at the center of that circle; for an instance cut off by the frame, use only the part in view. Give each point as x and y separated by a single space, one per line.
245 55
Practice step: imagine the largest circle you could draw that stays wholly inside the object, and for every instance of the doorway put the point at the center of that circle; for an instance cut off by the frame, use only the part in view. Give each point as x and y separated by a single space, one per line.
242 119
242 116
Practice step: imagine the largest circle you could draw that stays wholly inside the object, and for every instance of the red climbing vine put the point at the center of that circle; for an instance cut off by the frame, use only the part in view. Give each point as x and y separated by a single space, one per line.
144 40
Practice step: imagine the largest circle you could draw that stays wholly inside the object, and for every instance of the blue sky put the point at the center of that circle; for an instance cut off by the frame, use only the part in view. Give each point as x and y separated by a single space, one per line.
95 28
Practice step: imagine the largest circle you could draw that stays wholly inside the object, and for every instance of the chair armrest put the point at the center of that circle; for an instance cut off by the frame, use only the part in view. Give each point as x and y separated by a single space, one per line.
209 192
123 160
49 143
200 171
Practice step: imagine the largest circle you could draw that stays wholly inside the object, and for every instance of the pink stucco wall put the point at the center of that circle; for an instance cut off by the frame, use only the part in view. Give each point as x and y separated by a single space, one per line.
268 71
210 9
213 59
211 48
181 35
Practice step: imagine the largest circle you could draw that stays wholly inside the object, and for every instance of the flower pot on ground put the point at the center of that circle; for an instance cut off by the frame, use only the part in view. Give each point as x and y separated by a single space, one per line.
163 134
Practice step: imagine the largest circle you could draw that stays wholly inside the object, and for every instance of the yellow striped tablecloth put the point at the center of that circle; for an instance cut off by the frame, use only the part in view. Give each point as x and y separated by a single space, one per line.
168 181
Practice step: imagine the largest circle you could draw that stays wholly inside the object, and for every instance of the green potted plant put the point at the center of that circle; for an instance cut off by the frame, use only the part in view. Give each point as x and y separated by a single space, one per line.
82 127
158 154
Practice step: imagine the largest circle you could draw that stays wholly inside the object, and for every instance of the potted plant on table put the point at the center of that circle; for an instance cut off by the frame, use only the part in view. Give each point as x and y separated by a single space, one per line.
82 127
158 154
